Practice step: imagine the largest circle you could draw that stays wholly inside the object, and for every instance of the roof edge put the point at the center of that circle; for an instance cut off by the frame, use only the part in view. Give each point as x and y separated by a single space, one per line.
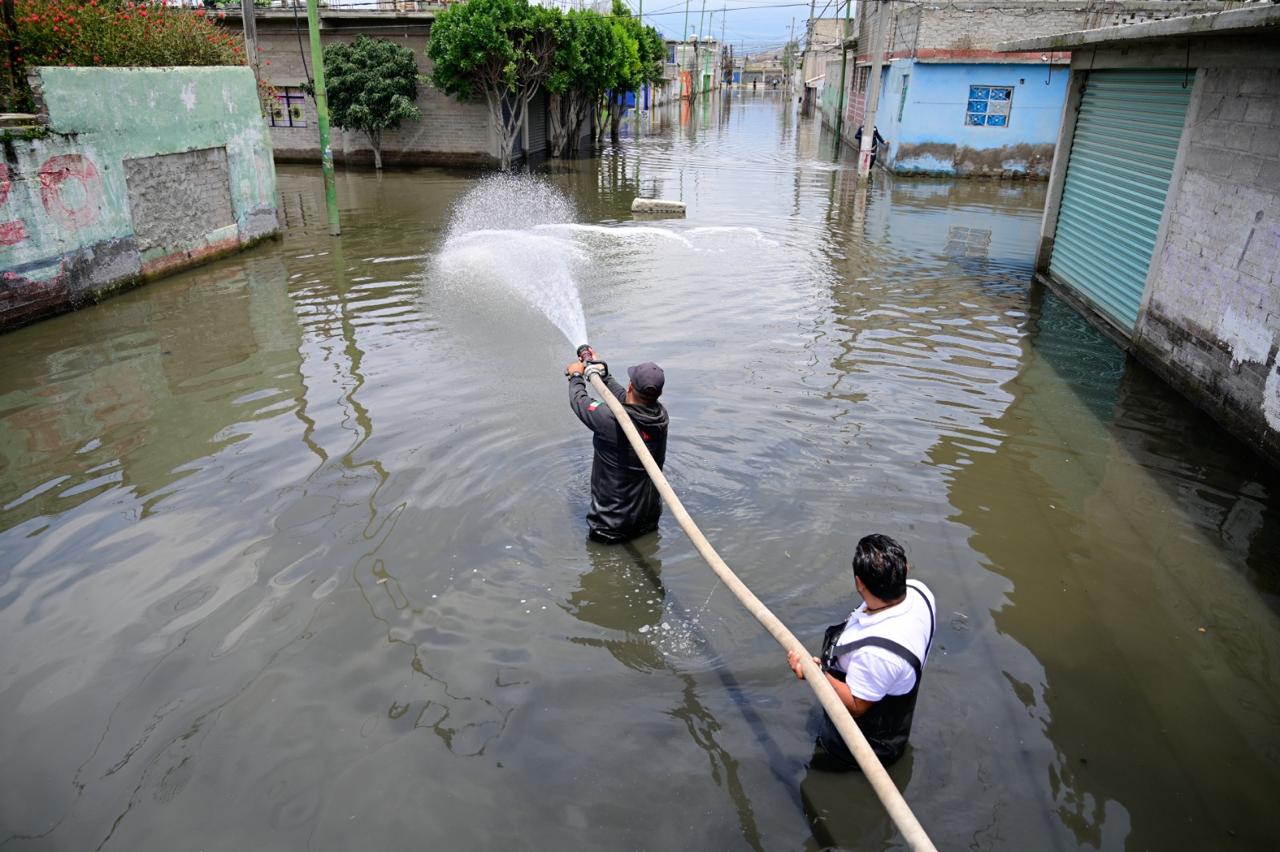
1207 23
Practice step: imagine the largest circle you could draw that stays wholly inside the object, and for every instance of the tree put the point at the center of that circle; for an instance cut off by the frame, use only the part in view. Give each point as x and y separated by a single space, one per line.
587 64
371 85
640 60
499 50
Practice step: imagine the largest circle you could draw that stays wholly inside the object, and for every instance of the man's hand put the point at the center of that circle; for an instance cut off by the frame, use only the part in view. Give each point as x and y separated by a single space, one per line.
794 659
575 368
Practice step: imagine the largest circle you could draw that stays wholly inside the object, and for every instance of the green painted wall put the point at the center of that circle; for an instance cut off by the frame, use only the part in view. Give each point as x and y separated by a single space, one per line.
66 228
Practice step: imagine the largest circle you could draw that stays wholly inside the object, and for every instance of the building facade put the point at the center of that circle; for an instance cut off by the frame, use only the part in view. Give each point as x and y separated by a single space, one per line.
951 104
1162 223
692 67
450 132
823 44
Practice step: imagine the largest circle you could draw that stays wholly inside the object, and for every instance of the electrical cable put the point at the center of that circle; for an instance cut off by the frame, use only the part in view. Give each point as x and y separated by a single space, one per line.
306 73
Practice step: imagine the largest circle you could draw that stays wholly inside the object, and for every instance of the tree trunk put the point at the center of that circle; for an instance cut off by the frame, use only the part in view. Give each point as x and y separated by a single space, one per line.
375 140
504 126
579 109
561 113
615 116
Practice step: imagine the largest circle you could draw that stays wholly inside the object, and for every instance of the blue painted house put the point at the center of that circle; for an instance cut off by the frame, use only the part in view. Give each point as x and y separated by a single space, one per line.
971 118
950 104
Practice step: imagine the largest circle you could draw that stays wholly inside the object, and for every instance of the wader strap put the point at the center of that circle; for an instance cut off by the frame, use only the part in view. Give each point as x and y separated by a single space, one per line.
933 619
890 646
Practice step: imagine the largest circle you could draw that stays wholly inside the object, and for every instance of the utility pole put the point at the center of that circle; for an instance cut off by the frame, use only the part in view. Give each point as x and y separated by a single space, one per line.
844 62
873 92
723 14
8 11
698 46
791 57
322 118
684 40
250 25
644 84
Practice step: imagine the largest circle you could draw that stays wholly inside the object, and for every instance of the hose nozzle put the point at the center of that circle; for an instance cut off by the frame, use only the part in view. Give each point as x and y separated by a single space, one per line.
584 352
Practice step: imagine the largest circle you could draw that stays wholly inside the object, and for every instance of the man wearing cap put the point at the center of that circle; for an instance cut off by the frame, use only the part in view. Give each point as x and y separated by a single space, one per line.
624 501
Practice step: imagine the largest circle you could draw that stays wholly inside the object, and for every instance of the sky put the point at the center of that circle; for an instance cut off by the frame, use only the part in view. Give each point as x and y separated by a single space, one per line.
759 24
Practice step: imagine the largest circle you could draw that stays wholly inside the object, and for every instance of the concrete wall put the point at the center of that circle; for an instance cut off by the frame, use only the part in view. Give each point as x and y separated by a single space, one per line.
969 30
922 117
829 96
1212 310
140 171
1210 318
450 132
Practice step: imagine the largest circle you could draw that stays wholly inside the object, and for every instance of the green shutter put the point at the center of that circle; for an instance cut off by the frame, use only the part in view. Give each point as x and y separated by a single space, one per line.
1126 139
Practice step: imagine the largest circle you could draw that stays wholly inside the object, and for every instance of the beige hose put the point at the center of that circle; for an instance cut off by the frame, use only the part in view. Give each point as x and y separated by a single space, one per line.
896 806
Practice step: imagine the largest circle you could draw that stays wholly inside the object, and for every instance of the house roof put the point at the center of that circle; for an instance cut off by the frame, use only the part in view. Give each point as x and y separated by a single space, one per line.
1258 19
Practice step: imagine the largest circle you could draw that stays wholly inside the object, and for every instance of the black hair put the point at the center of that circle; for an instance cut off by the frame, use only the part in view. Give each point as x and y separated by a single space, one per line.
881 564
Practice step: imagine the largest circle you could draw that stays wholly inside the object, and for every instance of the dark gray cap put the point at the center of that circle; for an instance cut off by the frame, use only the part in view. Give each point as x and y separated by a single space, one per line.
647 379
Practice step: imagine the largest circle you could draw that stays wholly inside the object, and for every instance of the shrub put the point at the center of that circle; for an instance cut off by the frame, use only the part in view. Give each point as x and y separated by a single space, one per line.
372 84
112 33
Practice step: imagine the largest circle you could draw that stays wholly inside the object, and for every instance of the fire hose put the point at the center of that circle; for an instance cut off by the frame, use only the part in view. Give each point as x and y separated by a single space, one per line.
894 804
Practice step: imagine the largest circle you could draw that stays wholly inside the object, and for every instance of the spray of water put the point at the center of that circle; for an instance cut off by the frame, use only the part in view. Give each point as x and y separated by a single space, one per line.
498 242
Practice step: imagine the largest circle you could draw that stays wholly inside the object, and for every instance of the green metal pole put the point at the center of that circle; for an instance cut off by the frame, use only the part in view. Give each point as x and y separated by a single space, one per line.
844 61
322 118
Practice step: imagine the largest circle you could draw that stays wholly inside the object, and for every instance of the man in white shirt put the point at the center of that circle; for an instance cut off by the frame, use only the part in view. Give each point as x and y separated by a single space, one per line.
875 659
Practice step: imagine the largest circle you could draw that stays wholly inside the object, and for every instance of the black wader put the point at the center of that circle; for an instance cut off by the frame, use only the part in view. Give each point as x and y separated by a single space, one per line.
624 501
887 724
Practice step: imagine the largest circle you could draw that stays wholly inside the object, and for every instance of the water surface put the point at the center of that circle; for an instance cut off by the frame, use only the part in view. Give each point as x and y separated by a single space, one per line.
292 549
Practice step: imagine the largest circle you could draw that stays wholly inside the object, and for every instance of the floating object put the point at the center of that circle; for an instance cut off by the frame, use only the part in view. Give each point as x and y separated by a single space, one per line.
657 205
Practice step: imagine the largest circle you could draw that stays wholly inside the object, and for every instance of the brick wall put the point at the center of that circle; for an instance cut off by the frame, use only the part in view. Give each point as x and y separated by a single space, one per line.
934 29
1211 321
449 131
177 199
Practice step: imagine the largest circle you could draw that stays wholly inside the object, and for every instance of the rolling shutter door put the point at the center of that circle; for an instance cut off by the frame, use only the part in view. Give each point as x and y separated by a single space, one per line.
1127 135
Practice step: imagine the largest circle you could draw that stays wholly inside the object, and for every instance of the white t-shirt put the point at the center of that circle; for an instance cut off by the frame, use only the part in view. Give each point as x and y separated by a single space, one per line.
871 672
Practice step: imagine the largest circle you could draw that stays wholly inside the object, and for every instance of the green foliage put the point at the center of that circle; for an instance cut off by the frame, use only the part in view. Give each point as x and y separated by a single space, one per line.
589 56
486 44
371 84
642 49
499 50
108 33
504 51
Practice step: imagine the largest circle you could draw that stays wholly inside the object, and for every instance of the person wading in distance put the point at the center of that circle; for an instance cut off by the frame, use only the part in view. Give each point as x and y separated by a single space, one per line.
874 660
624 501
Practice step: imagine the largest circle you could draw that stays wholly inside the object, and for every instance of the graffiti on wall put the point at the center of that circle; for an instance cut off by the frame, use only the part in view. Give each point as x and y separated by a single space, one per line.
70 193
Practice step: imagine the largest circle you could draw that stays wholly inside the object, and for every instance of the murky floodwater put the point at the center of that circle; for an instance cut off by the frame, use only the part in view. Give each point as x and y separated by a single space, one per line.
294 552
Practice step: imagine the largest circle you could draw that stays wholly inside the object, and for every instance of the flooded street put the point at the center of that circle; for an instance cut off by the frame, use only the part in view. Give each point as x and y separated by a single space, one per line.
293 551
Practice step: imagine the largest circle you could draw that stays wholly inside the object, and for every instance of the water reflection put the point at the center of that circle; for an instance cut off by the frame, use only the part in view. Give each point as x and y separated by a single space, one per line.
1151 596
293 546
623 593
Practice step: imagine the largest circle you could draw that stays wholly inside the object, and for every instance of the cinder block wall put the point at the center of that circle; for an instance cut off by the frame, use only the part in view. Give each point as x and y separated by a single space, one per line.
449 132
1211 316
134 172
978 25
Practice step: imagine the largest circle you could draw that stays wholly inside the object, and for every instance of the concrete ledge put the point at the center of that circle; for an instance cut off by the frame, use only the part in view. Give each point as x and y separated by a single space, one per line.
1250 19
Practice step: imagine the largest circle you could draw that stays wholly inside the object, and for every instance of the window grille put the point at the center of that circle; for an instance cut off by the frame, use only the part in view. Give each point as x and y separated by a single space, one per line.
988 106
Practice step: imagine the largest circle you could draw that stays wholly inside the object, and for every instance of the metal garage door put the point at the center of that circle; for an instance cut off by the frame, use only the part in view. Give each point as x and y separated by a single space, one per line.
1127 135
